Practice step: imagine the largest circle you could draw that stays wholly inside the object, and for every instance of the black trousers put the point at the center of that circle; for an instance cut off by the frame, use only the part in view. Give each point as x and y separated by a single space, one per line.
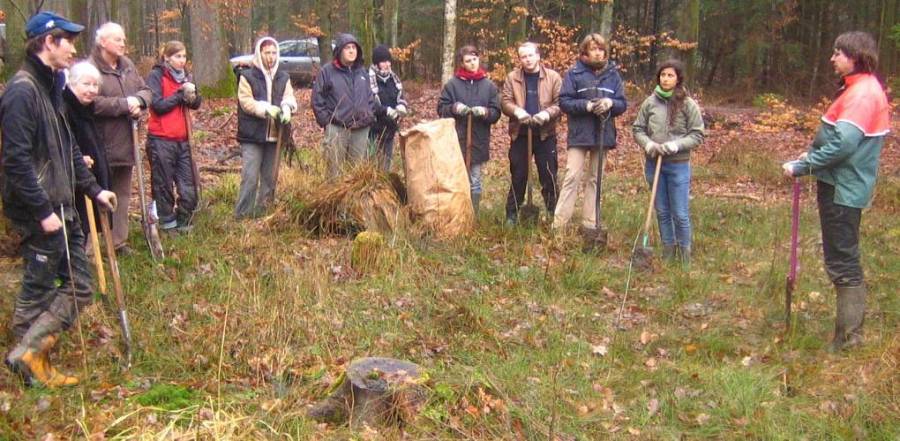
547 164
171 169
840 238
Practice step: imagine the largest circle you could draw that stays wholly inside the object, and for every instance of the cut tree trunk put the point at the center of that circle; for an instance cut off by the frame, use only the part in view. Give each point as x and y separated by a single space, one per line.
375 391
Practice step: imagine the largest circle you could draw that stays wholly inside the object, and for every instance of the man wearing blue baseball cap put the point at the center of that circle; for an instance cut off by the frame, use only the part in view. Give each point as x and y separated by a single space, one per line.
41 166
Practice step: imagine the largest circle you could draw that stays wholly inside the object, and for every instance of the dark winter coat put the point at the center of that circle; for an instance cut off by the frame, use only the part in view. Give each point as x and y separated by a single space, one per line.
580 85
342 95
111 107
167 107
41 163
481 92
388 93
81 118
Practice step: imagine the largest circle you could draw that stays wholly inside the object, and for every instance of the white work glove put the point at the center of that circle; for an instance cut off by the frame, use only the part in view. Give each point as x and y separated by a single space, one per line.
478 111
589 107
401 110
790 168
522 115
461 109
603 105
273 111
285 116
391 113
107 199
652 149
669 148
190 92
541 118
134 106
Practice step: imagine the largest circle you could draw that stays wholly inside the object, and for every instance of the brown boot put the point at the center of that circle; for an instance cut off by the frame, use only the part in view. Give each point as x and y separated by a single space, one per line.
851 313
31 357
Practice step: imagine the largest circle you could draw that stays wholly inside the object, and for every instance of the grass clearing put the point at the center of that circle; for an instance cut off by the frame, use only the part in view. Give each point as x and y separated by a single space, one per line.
247 323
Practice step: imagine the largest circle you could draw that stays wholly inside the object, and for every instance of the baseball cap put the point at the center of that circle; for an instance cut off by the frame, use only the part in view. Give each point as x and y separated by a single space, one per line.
47 21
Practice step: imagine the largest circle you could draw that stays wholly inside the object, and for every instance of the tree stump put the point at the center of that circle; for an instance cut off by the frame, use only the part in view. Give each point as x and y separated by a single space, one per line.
367 251
375 392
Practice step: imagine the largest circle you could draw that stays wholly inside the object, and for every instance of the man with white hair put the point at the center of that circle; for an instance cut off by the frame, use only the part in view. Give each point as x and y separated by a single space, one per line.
123 96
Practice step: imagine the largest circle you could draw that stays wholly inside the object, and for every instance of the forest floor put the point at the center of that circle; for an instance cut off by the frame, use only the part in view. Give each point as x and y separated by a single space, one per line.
245 324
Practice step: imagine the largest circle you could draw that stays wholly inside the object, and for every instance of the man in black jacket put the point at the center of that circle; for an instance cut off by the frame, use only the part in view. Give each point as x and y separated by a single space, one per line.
390 106
344 105
41 169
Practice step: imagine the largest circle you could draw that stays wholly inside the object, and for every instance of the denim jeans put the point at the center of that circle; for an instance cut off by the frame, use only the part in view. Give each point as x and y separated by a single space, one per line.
840 238
672 201
475 178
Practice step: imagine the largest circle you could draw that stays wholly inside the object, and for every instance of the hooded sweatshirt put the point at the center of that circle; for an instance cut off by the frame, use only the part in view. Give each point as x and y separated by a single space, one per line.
259 88
342 94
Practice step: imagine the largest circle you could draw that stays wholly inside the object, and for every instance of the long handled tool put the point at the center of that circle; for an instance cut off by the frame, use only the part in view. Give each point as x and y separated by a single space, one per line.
530 212
642 256
198 187
95 245
277 158
469 143
596 239
148 223
792 273
117 285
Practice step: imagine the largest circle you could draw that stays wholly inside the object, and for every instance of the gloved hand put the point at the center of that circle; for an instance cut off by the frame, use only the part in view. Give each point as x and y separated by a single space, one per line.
273 111
461 109
652 149
669 148
401 110
522 115
589 107
790 168
478 111
602 106
190 91
392 113
285 116
540 118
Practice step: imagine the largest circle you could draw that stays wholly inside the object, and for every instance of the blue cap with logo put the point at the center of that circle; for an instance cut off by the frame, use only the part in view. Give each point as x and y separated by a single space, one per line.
47 21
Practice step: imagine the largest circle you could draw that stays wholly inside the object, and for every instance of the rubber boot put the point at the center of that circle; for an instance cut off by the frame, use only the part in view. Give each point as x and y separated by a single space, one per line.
685 253
30 358
476 202
851 312
668 253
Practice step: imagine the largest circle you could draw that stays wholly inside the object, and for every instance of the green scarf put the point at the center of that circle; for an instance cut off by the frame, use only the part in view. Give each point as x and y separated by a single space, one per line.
662 93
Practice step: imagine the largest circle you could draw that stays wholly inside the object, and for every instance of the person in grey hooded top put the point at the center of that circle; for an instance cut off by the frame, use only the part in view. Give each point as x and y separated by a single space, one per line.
344 105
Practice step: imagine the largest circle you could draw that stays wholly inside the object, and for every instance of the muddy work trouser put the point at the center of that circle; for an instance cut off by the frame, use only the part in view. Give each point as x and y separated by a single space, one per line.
171 169
840 238
45 267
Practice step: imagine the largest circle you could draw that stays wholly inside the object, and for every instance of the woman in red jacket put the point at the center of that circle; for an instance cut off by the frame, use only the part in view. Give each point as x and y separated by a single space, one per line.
168 143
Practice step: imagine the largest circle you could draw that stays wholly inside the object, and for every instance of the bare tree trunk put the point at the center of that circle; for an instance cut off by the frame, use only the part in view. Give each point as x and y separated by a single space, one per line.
323 11
606 18
362 18
391 13
209 51
689 30
449 51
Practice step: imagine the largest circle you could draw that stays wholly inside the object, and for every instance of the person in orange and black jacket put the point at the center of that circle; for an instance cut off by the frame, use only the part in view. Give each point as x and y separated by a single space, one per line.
168 143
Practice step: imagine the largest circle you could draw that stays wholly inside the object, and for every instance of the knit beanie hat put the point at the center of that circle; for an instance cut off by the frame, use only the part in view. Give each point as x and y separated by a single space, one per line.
381 53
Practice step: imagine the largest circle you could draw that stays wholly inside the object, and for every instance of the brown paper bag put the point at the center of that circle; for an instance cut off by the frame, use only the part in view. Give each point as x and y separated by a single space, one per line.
436 178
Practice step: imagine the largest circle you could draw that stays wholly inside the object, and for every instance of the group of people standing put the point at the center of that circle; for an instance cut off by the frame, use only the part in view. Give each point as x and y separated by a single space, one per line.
592 95
69 132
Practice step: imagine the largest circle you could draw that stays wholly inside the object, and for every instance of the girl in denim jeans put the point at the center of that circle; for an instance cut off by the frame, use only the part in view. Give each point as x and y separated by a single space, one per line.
669 125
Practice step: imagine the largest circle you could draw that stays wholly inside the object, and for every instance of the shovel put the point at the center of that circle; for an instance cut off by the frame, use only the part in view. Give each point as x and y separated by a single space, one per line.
530 212
792 273
277 158
469 143
148 220
95 245
198 187
596 239
117 286
642 256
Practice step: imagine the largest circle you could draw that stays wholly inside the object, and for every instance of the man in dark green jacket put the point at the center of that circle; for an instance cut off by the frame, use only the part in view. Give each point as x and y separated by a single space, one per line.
844 158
